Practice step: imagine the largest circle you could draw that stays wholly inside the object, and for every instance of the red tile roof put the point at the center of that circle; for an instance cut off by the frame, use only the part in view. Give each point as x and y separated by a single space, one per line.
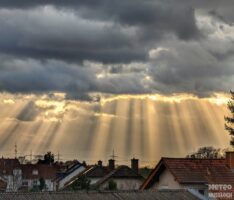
45 171
193 171
200 170
7 165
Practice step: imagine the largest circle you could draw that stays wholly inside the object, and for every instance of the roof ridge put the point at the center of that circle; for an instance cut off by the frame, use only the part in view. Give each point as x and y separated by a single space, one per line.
111 173
174 158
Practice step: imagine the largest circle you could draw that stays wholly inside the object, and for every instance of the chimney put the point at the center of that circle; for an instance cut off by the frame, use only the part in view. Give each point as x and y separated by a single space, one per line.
230 159
134 164
100 163
111 164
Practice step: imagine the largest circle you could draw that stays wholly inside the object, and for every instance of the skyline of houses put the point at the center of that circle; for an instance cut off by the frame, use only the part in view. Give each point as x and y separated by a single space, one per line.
57 176
195 175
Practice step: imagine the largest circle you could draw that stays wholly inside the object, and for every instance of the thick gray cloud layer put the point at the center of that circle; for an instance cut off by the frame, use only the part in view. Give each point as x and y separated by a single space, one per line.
81 46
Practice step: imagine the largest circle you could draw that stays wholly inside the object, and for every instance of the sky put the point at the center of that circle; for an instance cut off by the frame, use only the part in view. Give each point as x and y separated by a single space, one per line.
146 78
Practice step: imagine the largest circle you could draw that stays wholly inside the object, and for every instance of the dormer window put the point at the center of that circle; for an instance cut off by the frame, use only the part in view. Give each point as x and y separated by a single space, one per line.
35 172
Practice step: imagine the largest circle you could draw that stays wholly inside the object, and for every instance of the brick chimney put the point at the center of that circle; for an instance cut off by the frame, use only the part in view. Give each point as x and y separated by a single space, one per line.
230 159
100 163
111 164
134 164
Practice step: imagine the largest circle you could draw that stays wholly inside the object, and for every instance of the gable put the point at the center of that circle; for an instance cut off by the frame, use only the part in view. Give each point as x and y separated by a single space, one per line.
153 176
166 181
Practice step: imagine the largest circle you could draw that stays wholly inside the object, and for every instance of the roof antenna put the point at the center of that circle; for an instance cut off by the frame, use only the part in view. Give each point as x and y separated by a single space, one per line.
16 150
31 156
58 156
113 156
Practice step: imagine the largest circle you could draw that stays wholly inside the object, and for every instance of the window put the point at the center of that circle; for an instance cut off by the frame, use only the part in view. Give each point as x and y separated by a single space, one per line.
201 192
35 172
25 183
34 182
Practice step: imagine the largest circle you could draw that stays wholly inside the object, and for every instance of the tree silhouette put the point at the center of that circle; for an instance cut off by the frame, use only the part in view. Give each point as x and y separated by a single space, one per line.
48 159
81 184
207 153
229 125
42 184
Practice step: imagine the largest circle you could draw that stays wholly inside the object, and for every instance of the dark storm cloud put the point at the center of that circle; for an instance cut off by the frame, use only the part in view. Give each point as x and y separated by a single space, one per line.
162 14
192 68
30 75
154 18
49 33
45 46
106 31
33 76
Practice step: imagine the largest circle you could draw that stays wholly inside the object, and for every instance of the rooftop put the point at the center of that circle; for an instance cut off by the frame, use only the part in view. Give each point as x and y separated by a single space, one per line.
165 195
194 171
7 165
45 171
121 172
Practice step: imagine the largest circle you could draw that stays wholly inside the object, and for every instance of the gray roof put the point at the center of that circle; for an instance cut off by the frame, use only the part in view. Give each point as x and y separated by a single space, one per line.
149 195
120 172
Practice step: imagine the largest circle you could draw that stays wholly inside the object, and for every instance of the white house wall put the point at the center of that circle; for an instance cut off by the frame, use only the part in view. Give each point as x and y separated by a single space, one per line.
14 182
166 181
124 184
49 185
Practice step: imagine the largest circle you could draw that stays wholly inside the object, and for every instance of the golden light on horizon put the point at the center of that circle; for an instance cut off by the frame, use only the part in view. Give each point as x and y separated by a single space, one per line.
143 126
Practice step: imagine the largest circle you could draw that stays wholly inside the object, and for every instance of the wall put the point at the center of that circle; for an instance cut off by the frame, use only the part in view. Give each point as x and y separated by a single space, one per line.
32 182
14 181
124 184
49 185
166 181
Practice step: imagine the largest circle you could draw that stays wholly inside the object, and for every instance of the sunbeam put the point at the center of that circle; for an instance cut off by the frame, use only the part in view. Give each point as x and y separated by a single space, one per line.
144 126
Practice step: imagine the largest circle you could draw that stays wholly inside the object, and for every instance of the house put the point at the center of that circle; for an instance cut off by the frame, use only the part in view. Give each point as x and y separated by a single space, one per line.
25 177
93 173
32 173
124 177
194 174
10 174
18 176
66 175
136 195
